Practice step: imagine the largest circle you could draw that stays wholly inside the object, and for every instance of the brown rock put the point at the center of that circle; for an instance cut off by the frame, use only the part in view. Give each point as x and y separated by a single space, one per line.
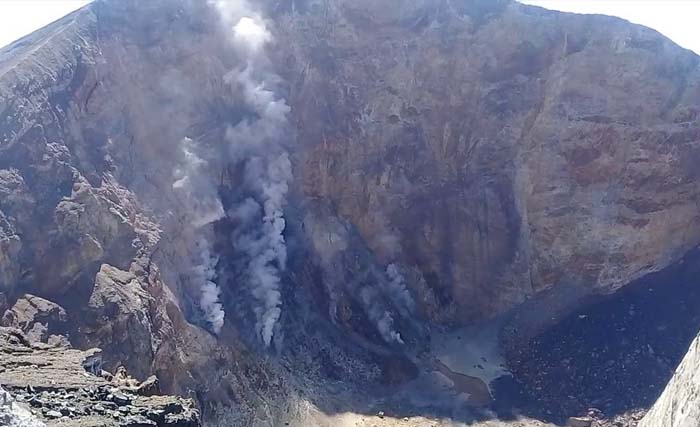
150 387
496 179
500 153
36 317
117 319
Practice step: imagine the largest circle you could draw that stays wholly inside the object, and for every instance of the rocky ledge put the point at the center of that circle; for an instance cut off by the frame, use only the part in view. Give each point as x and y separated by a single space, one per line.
55 385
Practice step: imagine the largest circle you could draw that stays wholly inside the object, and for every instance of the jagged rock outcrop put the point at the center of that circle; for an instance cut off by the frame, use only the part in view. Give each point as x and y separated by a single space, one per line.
493 153
51 385
679 404
38 318
122 299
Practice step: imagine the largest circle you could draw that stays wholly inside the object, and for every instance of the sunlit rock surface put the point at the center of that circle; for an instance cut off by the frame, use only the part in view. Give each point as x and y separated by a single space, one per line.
500 156
679 404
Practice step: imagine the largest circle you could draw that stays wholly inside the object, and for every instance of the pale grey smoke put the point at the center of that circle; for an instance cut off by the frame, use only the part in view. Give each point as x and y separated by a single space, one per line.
397 291
259 235
385 325
200 206
256 144
205 272
245 212
389 246
197 193
381 318
384 240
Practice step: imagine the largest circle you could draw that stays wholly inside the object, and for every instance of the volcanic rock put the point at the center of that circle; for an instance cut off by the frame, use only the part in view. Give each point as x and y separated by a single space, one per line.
679 404
53 381
34 316
499 156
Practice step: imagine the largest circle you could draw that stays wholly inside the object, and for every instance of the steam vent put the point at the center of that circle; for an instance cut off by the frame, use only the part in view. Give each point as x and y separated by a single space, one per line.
348 213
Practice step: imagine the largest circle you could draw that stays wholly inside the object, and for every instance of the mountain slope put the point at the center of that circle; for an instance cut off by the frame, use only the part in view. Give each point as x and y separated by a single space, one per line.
451 161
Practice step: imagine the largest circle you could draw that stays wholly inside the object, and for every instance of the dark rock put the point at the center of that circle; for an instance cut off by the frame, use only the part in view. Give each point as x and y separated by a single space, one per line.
92 362
173 420
150 387
172 408
155 415
110 405
121 399
136 421
36 317
35 402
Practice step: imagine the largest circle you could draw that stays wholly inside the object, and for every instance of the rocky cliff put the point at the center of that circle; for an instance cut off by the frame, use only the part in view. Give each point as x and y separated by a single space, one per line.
509 138
269 224
678 404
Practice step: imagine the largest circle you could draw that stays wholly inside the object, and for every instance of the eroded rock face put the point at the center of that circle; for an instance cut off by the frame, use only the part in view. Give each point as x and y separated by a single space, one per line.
678 405
496 163
488 152
34 316
122 299
502 151
10 242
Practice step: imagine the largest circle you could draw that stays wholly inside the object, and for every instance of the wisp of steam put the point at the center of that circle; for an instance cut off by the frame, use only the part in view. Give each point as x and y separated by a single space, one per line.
380 317
397 291
209 299
200 206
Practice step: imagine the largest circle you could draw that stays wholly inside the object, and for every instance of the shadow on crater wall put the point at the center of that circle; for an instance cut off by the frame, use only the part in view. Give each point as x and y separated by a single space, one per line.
615 354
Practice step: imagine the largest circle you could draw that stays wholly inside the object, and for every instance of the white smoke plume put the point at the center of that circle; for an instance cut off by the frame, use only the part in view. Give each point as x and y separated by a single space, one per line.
198 195
256 144
200 206
397 291
205 272
381 318
388 246
260 236
385 325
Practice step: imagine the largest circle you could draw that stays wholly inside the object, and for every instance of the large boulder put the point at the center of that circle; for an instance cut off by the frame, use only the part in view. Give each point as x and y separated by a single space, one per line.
38 318
117 319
